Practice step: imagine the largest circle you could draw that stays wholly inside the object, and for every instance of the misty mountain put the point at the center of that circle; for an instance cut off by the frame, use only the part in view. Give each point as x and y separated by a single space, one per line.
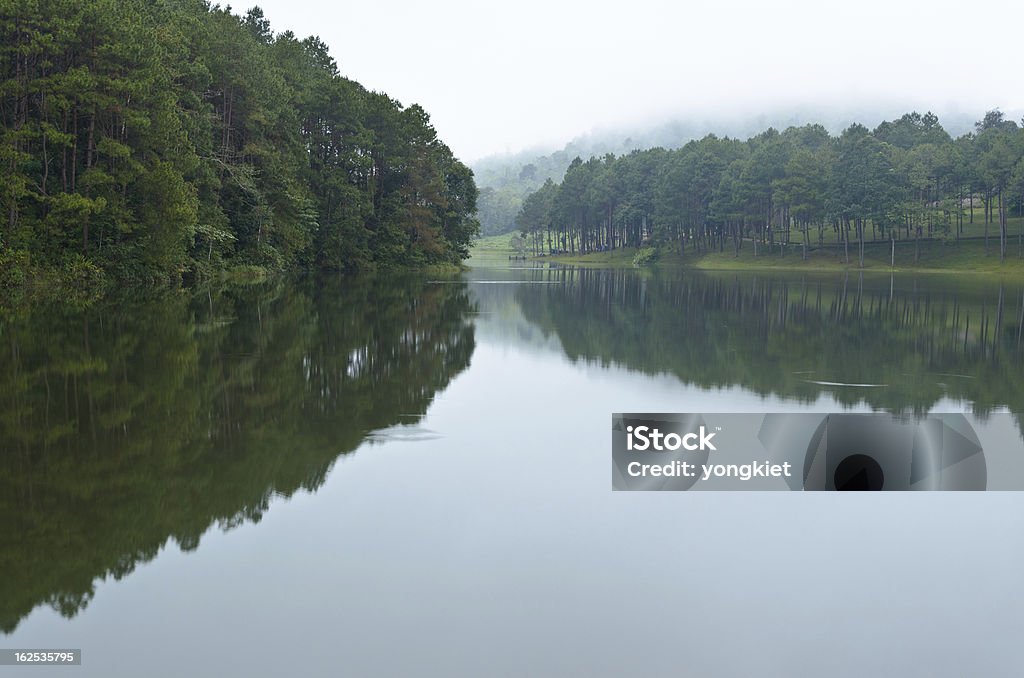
506 179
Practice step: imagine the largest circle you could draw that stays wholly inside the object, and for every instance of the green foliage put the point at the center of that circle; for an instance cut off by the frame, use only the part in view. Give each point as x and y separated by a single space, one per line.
645 256
905 180
158 139
82 274
498 209
13 267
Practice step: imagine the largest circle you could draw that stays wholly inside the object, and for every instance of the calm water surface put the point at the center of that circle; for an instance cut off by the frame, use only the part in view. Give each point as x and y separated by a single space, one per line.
410 476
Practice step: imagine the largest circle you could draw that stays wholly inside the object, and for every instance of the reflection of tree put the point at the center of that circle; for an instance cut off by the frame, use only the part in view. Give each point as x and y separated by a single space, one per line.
776 336
123 426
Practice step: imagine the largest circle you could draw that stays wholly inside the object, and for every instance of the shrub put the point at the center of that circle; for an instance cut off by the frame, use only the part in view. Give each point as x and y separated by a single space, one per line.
645 256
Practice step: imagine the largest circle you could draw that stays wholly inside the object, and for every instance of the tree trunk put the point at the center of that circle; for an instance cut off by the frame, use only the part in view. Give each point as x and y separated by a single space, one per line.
64 157
1002 228
89 142
860 233
74 148
986 227
846 242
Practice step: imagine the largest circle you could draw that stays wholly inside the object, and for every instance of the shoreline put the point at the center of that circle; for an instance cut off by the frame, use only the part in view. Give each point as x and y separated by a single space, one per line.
34 287
934 257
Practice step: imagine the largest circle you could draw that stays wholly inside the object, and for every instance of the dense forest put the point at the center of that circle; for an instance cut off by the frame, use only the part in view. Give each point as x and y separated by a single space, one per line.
906 179
149 141
506 179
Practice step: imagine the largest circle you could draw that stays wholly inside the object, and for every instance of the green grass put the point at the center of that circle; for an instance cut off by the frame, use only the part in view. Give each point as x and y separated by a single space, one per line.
830 236
500 244
492 248
937 257
617 257
968 256
962 257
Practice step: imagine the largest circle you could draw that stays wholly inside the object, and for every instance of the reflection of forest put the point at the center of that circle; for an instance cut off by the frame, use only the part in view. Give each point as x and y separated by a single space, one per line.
125 425
921 339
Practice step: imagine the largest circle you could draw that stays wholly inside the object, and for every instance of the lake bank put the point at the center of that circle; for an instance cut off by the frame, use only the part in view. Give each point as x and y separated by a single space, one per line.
83 285
932 256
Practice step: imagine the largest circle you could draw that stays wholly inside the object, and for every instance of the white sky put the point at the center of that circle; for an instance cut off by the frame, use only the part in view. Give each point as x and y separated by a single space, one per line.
498 78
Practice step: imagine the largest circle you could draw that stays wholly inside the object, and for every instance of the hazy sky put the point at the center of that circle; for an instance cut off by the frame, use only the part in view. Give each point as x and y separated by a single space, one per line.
503 77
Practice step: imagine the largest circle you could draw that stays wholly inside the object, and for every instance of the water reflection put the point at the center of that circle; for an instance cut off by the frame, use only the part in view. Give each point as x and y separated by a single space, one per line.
128 424
896 344
136 422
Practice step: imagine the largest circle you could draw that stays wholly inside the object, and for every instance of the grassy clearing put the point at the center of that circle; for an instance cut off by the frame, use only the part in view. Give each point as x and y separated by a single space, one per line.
492 248
497 244
962 257
618 257
830 236
966 256
936 257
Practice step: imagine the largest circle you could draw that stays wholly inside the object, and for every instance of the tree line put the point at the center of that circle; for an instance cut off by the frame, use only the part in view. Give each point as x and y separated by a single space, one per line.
147 141
906 179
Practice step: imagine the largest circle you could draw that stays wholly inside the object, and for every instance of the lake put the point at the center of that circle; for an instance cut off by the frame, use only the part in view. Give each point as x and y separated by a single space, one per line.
409 475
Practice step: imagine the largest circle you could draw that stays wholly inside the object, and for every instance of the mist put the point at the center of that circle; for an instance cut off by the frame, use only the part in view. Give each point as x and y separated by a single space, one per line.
533 73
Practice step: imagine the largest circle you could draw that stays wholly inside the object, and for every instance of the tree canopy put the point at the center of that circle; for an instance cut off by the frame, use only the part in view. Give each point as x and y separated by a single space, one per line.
906 179
150 140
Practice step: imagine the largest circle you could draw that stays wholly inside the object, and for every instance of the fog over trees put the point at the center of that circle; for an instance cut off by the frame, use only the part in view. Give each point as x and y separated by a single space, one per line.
906 179
506 179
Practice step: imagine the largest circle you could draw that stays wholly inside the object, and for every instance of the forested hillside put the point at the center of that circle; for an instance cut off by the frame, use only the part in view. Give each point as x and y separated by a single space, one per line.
506 180
143 141
906 179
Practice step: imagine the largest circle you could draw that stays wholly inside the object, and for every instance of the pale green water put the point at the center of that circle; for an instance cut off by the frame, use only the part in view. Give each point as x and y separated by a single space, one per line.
410 476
